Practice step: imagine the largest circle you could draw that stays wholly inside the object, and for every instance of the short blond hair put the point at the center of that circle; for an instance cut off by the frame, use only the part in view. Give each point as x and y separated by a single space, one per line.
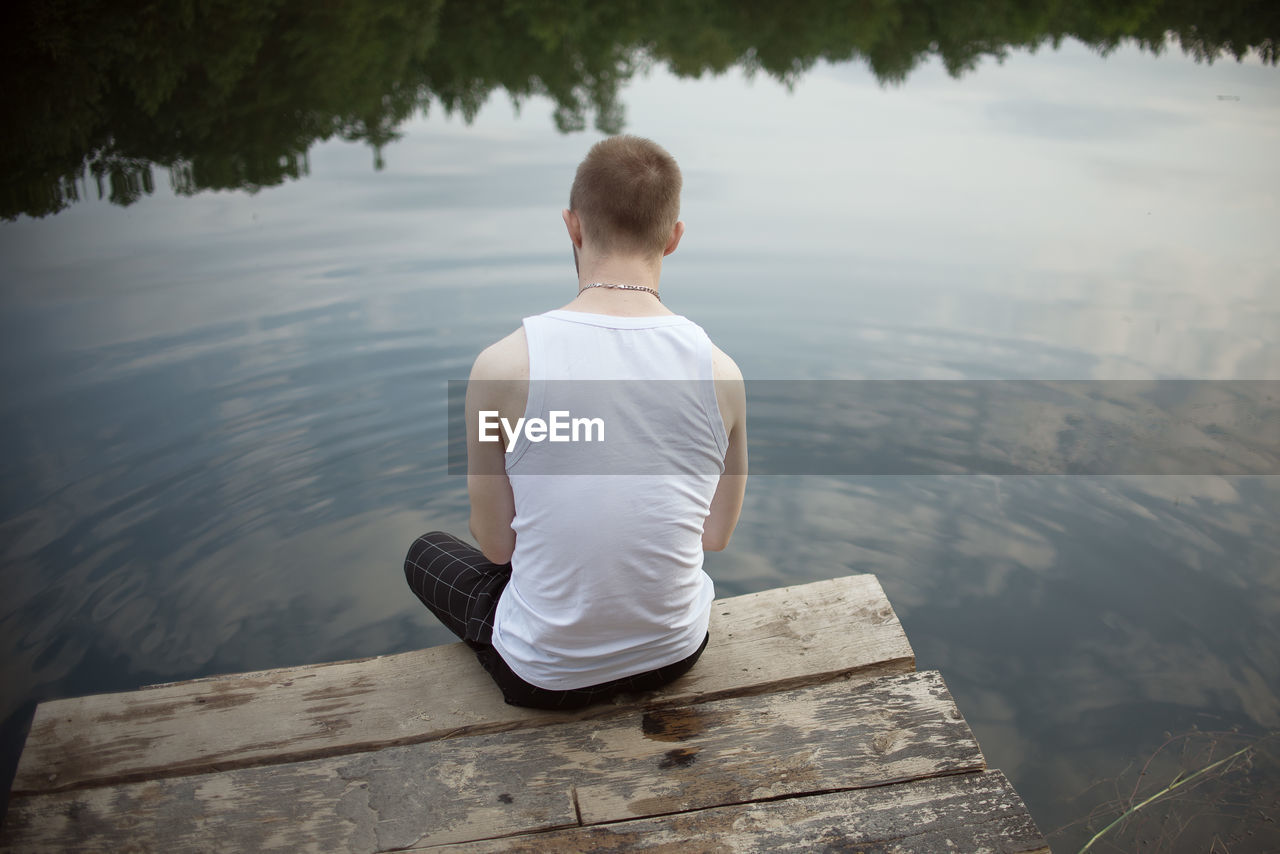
627 194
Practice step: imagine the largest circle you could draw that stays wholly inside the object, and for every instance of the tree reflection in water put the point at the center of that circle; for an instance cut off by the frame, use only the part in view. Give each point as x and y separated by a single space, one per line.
231 95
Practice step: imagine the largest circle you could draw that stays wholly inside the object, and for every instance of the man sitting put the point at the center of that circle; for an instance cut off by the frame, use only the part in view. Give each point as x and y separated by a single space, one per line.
589 580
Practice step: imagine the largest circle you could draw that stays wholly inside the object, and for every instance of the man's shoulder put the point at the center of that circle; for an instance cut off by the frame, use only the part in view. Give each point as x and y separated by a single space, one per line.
505 359
723 366
730 388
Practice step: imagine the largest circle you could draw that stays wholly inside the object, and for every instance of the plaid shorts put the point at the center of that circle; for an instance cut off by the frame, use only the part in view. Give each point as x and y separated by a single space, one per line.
461 587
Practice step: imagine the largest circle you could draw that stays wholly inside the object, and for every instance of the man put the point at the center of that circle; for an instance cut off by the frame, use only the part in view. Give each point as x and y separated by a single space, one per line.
588 580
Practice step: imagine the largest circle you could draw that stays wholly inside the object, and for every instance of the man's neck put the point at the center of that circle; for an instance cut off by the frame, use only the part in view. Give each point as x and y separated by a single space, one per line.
619 270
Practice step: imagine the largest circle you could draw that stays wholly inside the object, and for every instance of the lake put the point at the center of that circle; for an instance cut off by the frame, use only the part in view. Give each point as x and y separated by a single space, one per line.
246 254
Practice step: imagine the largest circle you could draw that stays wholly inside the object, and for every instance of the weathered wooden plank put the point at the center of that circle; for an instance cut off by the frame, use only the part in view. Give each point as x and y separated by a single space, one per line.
973 813
748 749
760 642
835 735
363 802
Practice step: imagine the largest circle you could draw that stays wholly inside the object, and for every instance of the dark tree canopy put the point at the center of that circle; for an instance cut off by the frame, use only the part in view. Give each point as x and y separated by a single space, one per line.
232 94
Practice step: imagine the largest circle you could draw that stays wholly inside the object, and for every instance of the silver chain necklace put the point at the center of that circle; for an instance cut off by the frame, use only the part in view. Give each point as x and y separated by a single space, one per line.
653 291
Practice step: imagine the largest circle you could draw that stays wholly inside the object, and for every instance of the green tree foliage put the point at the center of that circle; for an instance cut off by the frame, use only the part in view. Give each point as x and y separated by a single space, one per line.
225 94
232 94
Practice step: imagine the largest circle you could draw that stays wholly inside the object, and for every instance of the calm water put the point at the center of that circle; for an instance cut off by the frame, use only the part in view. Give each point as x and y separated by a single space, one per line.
225 410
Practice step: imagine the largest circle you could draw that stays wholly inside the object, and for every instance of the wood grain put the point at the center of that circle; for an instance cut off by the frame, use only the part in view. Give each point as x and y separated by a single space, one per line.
760 643
637 763
976 813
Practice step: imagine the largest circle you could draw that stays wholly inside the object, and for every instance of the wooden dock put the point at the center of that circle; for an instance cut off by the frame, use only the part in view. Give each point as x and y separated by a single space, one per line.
803 727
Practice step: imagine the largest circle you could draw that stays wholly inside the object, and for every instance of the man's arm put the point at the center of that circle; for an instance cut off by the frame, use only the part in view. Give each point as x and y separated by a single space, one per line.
726 505
499 383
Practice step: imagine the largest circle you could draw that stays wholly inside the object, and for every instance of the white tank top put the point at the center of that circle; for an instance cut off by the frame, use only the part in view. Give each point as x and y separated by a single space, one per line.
607 577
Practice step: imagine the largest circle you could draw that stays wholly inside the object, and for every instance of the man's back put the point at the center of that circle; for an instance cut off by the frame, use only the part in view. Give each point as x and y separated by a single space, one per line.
607 576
